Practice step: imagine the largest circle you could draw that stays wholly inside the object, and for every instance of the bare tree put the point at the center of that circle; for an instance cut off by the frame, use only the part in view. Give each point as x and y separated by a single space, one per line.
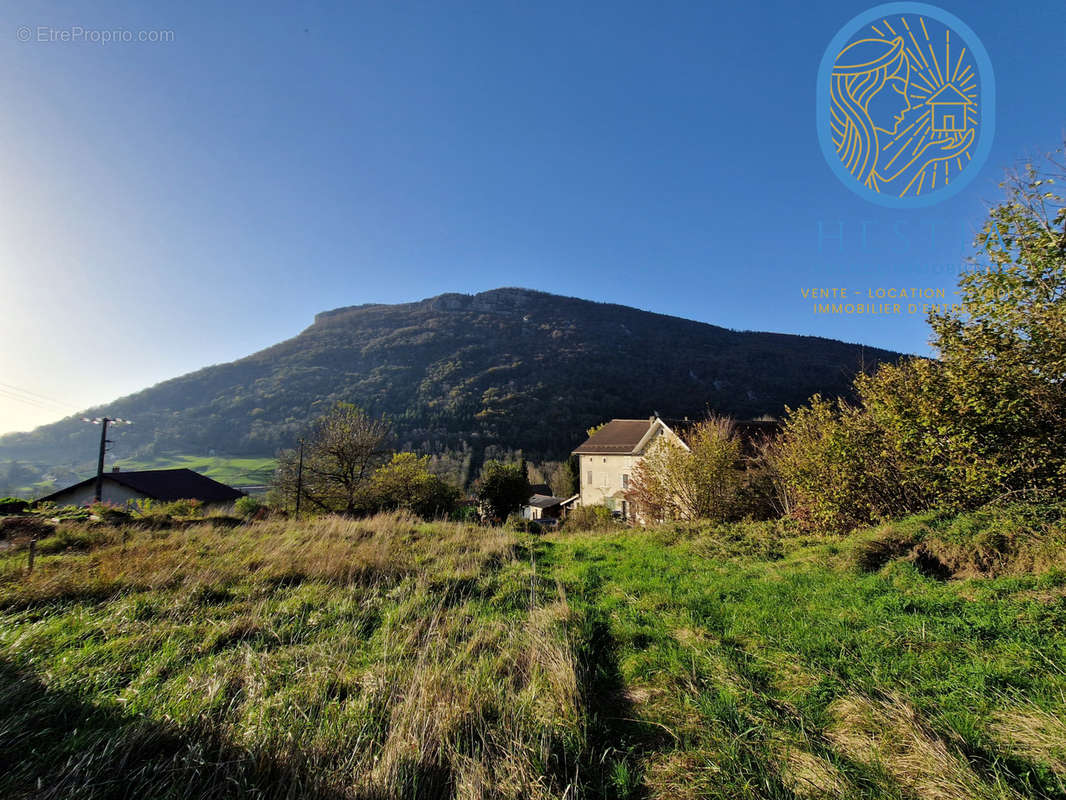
702 482
340 454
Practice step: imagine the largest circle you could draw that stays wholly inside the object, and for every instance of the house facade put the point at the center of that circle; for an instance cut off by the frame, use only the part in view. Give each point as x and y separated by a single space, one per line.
608 457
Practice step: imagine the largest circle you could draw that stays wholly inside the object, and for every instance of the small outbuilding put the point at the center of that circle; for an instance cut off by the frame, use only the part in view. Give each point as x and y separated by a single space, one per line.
161 485
545 506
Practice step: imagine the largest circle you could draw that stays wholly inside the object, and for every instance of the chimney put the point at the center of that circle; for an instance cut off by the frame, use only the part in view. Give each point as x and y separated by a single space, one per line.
115 469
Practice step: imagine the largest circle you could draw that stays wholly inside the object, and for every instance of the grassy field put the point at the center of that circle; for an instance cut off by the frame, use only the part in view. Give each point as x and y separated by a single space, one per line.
229 470
232 471
389 658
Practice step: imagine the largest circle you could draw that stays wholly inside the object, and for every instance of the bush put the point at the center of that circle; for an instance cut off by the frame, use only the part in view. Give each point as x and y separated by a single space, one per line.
70 538
701 481
13 505
984 422
174 508
520 524
405 483
247 506
109 513
183 508
24 527
587 518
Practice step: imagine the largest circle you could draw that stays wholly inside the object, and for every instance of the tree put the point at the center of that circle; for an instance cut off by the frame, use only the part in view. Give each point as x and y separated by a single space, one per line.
342 451
563 478
826 461
406 483
1005 352
700 482
987 419
501 489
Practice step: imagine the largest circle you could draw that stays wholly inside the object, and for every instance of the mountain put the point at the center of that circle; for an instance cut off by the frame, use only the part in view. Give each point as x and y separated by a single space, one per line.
500 371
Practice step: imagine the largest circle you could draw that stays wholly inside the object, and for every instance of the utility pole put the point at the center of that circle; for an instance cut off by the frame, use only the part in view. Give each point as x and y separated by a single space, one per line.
98 492
103 422
300 479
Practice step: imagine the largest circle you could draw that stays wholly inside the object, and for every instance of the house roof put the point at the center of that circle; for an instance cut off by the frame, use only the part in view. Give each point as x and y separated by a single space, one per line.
165 485
544 501
617 437
625 436
948 94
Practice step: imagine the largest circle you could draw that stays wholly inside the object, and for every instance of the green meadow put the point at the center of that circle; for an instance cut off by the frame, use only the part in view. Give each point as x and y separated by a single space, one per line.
225 469
391 658
231 470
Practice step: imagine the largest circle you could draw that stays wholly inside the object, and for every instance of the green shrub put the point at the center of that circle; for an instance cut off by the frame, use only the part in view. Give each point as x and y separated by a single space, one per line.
520 524
174 508
985 421
183 508
71 538
405 483
247 506
13 505
109 513
586 518
502 489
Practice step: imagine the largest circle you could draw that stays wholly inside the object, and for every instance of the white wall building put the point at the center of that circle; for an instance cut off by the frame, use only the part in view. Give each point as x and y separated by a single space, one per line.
607 458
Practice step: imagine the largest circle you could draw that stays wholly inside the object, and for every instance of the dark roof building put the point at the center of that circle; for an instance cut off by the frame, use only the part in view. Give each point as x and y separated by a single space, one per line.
541 506
544 501
617 437
163 485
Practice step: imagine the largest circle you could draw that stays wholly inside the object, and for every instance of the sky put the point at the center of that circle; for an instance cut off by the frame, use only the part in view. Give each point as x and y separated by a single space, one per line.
189 199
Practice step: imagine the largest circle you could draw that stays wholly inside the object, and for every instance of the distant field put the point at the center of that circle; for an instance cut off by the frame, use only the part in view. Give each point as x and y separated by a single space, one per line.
232 471
389 658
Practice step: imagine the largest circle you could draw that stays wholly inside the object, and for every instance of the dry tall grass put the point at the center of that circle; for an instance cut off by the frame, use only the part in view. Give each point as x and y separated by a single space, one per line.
386 657
891 734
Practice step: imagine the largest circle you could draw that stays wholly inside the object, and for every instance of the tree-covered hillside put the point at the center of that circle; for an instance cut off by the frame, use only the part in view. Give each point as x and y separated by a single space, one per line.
504 370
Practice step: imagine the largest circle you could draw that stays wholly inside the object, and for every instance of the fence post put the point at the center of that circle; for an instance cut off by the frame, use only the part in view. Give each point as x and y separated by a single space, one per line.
33 550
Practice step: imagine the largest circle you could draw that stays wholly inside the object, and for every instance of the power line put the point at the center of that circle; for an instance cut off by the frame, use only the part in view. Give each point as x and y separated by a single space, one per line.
30 401
35 394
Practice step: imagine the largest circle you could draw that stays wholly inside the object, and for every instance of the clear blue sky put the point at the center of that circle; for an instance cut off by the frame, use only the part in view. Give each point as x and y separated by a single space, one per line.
172 205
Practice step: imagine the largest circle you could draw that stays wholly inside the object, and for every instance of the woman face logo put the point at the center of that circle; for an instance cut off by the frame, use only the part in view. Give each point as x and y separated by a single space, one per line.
905 95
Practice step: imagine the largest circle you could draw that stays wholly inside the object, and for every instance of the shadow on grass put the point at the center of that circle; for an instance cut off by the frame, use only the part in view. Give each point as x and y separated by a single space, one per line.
53 744
617 742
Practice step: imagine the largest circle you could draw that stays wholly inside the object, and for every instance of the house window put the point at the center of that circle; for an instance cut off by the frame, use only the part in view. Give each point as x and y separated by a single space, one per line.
590 478
625 481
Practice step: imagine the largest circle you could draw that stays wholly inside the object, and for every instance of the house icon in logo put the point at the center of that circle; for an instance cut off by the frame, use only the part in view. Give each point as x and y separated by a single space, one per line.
950 107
